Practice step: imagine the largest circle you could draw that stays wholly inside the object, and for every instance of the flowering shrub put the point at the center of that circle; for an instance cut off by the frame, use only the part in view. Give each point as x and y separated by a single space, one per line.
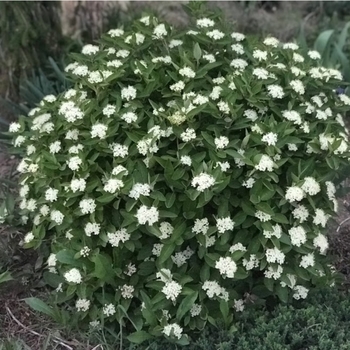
183 171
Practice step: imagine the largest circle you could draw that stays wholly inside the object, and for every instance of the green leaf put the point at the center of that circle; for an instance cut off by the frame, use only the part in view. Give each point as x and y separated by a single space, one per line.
166 252
282 293
167 214
208 138
146 268
106 198
254 245
178 174
241 274
341 56
261 291
139 337
247 208
170 200
67 257
204 272
134 321
323 40
332 162
280 218
197 52
10 203
179 231
147 311
103 267
38 305
239 218
302 38
343 36
269 282
5 276
265 208
224 309
52 279
183 341
186 305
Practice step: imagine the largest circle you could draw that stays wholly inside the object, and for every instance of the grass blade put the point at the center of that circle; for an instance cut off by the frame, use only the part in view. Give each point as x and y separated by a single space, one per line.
323 43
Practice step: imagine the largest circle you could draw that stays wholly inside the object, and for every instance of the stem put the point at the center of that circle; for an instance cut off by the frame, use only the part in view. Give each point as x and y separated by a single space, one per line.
343 222
121 335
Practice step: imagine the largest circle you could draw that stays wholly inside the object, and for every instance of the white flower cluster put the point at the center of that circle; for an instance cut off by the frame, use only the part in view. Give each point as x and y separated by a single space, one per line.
82 305
147 215
73 276
128 93
321 242
113 185
70 111
172 290
51 194
180 258
275 91
224 224
78 185
294 194
297 235
237 247
164 275
109 310
226 266
252 263
300 292
166 230
127 291
213 289
203 181
140 190
87 206
221 142
187 72
173 328
311 186
270 138
147 146
276 231
99 130
307 260
274 255
263 217
320 217
92 228
188 135
115 238
265 163
273 272
56 216
201 226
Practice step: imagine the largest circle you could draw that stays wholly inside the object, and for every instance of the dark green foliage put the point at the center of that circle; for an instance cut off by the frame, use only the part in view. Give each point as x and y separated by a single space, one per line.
30 32
44 81
320 323
340 9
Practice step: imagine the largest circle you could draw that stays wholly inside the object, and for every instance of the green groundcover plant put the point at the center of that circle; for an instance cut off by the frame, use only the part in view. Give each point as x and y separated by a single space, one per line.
321 322
182 171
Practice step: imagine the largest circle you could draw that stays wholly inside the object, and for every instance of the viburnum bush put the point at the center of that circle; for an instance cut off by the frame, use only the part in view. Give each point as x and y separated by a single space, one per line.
185 172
